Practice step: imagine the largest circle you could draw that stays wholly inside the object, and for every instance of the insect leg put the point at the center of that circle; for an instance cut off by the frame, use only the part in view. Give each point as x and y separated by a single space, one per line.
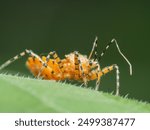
30 52
78 68
94 69
94 49
76 62
94 66
107 70
57 59
43 63
108 45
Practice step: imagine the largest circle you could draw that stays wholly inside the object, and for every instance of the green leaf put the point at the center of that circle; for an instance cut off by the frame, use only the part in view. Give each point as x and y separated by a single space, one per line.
18 94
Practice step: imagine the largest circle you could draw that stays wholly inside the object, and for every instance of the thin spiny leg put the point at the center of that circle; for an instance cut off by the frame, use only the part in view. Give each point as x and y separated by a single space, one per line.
93 72
44 64
94 65
8 62
76 62
108 45
57 59
117 79
107 70
94 49
79 68
30 53
18 57
82 73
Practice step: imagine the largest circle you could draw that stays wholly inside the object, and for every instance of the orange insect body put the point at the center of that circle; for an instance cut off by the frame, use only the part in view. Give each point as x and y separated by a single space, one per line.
69 72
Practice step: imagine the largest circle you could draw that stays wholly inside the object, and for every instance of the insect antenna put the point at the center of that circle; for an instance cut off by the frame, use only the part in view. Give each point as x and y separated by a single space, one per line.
94 49
108 45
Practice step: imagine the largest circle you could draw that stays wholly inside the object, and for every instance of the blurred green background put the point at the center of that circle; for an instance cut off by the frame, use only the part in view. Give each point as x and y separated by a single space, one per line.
66 26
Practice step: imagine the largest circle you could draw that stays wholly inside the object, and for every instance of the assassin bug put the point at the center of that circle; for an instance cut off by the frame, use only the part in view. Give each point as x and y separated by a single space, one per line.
74 66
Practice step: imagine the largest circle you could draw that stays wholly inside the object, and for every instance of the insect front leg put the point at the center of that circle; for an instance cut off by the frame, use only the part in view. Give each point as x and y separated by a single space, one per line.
107 70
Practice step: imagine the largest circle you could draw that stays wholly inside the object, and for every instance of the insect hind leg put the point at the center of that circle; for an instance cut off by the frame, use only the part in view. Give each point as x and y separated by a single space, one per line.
30 52
8 62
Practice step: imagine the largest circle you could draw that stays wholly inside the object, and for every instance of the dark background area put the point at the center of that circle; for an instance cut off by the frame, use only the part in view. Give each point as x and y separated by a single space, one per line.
66 26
